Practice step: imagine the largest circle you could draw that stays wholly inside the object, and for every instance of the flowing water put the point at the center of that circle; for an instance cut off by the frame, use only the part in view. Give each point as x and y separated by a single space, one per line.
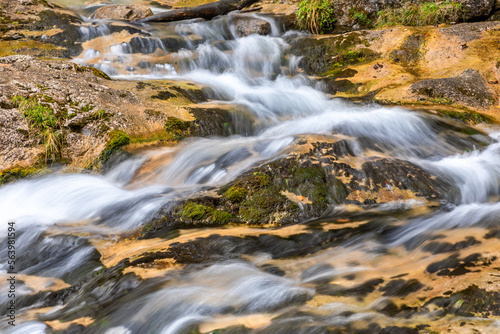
61 218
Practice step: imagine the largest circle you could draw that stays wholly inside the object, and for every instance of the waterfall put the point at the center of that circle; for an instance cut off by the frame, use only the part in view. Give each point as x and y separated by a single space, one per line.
55 214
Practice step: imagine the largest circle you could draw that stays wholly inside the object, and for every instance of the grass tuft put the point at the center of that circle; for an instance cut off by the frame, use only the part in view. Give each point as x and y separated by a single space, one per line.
316 16
427 13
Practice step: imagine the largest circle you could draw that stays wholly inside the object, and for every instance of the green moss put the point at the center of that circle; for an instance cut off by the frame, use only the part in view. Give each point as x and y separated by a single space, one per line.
263 180
235 194
95 71
441 100
17 172
312 184
470 117
260 205
221 217
349 57
155 137
117 139
173 124
196 211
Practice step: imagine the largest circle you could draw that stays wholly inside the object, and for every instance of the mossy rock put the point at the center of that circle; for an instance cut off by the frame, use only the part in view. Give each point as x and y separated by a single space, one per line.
235 194
117 139
95 71
195 211
469 302
332 55
173 124
221 217
469 117
17 172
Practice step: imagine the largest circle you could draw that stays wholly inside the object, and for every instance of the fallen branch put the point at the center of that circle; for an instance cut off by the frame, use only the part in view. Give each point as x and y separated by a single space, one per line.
206 11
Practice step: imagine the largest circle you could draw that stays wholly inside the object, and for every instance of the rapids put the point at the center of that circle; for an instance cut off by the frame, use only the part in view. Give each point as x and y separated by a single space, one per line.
59 217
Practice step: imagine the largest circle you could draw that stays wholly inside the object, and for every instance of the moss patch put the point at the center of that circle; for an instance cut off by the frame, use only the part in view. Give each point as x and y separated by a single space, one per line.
30 48
195 211
94 71
331 56
117 139
17 172
469 117
235 194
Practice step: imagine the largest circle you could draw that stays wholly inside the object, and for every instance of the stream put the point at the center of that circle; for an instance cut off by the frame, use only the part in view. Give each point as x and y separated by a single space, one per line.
63 220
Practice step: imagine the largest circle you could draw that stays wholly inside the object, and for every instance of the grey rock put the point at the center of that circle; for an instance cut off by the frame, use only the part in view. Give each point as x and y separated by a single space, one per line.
247 25
469 89
122 12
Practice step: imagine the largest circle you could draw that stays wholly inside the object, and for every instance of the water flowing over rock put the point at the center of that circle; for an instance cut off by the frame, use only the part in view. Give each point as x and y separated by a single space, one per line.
210 180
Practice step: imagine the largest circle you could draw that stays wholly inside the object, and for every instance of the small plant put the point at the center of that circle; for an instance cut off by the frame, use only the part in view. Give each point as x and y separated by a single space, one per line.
44 121
427 13
316 16
87 107
360 17
42 87
52 143
39 116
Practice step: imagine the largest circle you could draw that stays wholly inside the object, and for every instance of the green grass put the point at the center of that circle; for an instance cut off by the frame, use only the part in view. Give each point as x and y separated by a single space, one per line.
316 16
39 116
44 123
427 13
360 17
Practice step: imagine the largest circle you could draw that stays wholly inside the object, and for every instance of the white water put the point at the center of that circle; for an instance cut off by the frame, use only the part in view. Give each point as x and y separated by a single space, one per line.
251 72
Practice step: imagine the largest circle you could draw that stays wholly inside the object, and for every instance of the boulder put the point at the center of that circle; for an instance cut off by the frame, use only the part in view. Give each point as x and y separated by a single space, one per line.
477 9
97 3
469 89
247 25
473 10
122 12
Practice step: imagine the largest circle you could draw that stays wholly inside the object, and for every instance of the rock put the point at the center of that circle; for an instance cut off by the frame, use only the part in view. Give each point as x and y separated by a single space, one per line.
122 12
473 10
477 9
247 25
331 55
97 3
468 32
469 89
303 186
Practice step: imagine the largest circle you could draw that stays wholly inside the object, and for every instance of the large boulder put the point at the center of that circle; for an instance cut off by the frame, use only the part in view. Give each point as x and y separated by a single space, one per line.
247 25
469 88
122 12
346 20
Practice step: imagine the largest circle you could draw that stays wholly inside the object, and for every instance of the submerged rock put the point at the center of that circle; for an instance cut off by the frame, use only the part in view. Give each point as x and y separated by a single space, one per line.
122 12
302 186
469 88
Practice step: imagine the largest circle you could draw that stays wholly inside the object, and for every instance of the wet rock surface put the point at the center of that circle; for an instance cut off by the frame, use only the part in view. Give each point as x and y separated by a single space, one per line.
304 186
308 242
